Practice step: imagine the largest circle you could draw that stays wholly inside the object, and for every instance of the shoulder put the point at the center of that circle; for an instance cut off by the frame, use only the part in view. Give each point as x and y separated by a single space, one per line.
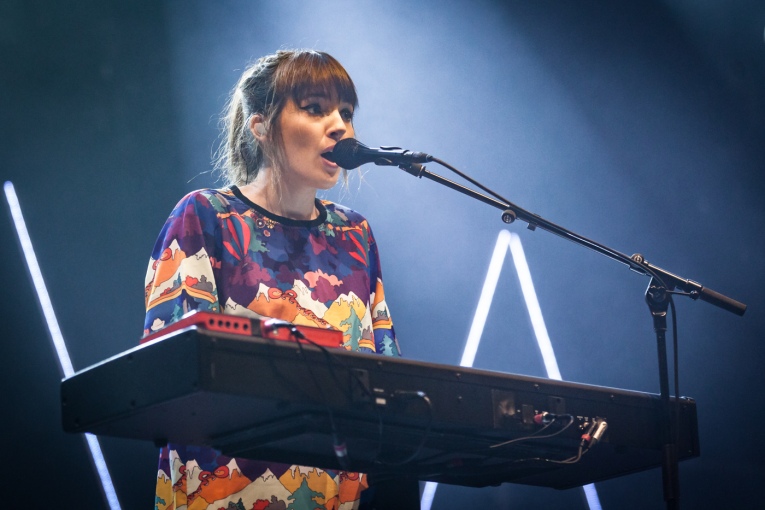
209 196
207 201
339 215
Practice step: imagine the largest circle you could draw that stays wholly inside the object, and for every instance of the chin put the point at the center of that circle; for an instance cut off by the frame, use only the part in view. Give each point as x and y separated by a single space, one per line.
330 181
328 185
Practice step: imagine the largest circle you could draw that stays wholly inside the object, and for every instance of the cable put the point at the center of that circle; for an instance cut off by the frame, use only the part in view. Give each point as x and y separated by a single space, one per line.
332 358
535 436
635 263
380 430
339 446
476 183
424 397
589 439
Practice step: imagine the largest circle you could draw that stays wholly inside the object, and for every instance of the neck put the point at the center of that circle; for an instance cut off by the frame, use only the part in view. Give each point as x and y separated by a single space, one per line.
281 200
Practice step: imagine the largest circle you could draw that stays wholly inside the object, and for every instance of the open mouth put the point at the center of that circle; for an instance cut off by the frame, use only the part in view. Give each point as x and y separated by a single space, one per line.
328 156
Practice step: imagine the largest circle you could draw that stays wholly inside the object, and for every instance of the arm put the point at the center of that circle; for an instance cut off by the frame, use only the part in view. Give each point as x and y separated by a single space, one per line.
385 337
181 276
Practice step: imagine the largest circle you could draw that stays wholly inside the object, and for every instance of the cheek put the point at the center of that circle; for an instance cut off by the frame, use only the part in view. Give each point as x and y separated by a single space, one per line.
302 137
293 131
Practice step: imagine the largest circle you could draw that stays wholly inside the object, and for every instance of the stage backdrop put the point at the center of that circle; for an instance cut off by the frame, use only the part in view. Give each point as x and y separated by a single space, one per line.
640 126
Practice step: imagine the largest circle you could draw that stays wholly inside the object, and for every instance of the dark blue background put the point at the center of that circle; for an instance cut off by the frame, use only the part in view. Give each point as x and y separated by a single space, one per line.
640 125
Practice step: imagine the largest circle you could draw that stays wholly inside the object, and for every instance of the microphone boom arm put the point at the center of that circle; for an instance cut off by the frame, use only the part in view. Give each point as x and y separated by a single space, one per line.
637 263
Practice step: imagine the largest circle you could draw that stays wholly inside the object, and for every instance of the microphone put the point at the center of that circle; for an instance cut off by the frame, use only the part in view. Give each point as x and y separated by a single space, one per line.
349 153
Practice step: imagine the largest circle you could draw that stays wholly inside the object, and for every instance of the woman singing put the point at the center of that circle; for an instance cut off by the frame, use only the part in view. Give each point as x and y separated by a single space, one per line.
265 246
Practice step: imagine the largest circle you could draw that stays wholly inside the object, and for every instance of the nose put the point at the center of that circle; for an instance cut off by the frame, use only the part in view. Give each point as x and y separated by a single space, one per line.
337 126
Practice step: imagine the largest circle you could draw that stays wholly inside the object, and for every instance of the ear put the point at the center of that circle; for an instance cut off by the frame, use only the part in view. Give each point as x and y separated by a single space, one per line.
257 127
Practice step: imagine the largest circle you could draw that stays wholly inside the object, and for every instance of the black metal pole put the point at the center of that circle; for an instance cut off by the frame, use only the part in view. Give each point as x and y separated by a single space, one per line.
657 299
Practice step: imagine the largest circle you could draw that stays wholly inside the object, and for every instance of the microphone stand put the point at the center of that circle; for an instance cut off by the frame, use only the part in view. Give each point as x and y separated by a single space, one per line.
658 297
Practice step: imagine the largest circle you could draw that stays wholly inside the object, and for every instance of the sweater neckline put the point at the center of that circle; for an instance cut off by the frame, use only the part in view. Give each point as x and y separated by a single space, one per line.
321 218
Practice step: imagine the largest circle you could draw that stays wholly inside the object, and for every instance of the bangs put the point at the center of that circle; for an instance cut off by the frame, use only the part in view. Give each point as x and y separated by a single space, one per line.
309 73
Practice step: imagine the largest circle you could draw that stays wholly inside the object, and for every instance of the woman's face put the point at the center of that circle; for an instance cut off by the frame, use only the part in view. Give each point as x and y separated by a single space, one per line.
309 129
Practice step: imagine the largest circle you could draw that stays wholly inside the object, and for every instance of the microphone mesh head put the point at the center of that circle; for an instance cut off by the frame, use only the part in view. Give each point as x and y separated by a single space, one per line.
345 153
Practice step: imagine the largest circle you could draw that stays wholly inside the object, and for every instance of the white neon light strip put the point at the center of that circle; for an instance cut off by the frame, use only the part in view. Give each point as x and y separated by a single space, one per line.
428 493
532 304
591 494
65 363
509 241
484 302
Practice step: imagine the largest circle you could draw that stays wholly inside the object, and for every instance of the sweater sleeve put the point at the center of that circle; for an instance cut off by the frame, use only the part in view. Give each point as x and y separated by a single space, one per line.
384 335
182 269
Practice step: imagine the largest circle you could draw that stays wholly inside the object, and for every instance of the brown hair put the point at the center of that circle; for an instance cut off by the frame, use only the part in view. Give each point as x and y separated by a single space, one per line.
264 88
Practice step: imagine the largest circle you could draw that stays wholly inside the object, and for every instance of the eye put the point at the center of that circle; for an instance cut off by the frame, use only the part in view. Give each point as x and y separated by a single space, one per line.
312 108
347 114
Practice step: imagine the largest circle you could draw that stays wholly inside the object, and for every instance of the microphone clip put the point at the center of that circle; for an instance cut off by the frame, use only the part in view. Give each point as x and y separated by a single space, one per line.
414 169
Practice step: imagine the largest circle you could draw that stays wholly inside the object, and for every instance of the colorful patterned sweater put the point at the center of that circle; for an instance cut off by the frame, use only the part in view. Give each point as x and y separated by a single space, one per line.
220 252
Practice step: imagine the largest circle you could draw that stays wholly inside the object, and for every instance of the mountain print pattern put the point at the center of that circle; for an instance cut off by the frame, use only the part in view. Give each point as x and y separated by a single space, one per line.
220 252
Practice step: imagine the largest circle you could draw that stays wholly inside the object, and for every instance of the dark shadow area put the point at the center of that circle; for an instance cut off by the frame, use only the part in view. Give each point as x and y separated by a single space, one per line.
639 125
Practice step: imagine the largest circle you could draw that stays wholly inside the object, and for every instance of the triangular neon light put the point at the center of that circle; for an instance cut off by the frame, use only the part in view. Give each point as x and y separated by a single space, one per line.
508 241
